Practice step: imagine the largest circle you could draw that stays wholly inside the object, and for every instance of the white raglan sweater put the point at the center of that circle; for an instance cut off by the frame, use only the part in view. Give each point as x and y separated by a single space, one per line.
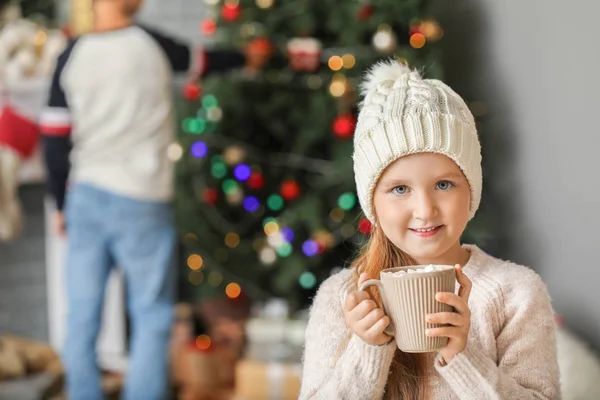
511 351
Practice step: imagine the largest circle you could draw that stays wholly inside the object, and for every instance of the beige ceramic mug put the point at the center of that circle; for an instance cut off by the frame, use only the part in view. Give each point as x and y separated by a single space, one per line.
408 296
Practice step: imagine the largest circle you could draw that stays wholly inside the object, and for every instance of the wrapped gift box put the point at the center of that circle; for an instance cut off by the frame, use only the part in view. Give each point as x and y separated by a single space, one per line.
271 369
272 365
260 380
202 374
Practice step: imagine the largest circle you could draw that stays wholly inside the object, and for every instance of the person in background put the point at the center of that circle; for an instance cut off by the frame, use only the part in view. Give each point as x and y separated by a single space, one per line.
107 126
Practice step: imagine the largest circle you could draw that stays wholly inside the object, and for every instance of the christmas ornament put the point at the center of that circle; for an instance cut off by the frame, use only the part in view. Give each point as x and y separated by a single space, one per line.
414 29
365 12
322 247
290 190
230 12
192 91
384 39
365 226
343 126
304 54
210 196
258 53
256 181
208 27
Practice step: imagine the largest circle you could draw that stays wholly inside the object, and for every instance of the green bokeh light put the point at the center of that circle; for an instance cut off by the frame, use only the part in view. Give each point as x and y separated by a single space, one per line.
307 280
275 202
209 101
194 126
230 186
218 170
347 201
284 250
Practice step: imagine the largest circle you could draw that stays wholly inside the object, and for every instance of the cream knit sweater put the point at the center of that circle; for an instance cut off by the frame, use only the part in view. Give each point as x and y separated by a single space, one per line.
511 351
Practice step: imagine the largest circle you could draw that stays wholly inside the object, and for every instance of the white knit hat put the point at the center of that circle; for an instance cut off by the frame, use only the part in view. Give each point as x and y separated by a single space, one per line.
403 114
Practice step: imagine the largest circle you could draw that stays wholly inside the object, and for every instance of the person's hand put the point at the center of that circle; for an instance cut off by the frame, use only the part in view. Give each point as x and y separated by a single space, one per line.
364 317
459 322
58 223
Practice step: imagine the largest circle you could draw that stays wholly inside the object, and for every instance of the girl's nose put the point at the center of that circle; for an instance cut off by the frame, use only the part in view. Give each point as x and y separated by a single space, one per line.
424 207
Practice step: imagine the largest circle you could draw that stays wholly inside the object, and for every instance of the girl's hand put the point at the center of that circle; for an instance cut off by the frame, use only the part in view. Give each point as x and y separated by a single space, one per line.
459 321
365 318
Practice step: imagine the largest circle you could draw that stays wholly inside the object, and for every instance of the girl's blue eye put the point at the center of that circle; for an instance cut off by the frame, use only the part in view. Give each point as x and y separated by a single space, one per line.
400 190
444 185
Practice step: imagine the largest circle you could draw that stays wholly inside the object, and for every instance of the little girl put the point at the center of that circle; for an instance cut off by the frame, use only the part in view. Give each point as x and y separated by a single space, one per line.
417 163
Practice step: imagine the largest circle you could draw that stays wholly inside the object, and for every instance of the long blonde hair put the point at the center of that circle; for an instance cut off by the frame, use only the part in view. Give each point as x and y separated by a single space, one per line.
409 372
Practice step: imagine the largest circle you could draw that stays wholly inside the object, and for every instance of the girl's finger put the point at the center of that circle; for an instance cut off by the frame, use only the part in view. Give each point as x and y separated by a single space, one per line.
363 277
363 309
459 304
446 331
371 318
465 283
354 299
378 327
450 318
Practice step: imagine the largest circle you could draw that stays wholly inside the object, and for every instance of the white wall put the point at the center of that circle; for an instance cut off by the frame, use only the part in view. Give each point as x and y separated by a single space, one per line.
180 18
534 64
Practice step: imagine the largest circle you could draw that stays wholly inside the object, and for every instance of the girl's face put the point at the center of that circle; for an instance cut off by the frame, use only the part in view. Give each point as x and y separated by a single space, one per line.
422 205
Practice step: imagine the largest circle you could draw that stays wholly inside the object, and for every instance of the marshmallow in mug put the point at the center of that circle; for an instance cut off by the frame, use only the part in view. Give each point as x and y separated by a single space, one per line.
429 268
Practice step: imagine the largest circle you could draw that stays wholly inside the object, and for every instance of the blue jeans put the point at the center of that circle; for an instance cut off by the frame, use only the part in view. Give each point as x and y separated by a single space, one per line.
107 230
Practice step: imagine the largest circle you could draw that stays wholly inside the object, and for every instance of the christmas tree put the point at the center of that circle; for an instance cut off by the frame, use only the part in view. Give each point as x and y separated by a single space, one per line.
266 200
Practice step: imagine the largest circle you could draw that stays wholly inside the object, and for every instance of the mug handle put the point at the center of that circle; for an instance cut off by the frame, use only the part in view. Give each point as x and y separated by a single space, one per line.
389 330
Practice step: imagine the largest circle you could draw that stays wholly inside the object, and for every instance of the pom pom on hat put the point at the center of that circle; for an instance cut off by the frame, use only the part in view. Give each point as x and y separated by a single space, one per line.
387 70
